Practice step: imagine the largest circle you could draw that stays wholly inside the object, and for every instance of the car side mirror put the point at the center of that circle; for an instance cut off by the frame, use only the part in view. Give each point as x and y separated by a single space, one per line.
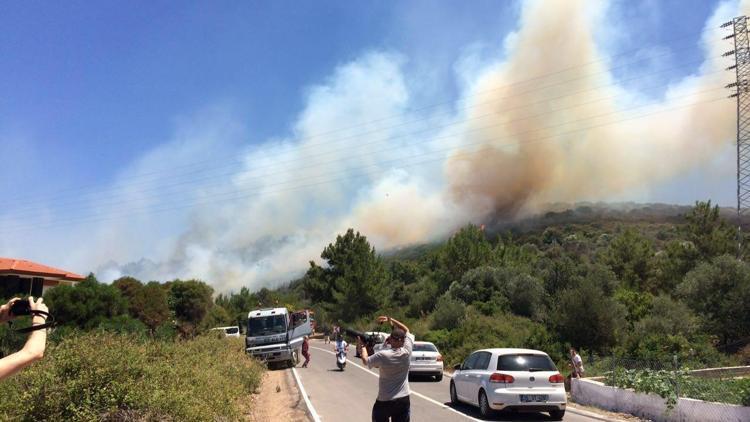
457 367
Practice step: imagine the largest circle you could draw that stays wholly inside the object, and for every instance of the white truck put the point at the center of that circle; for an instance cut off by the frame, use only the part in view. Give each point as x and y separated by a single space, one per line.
275 335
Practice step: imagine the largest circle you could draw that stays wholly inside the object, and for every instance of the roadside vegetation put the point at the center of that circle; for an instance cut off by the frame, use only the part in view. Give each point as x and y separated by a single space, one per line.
101 375
130 351
670 383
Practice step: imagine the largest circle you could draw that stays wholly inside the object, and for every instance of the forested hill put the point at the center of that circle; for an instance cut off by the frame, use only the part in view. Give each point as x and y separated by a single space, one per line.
651 281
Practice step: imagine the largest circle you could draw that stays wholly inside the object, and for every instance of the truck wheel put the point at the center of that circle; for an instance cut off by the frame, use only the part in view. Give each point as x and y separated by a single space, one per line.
295 358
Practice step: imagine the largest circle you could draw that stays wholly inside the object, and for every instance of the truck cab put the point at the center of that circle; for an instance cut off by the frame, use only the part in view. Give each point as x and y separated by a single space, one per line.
275 335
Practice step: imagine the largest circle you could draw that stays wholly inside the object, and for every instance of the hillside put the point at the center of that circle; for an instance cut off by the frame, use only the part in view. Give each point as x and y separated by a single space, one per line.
637 280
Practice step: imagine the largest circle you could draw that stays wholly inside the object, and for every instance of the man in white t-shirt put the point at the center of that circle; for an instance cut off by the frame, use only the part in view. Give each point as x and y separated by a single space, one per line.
393 385
576 363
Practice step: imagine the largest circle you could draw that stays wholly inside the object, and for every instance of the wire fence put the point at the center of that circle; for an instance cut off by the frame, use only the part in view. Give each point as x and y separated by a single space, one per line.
673 380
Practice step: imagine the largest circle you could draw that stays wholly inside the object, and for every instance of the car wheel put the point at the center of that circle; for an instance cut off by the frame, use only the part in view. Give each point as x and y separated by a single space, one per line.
439 377
484 405
557 415
454 396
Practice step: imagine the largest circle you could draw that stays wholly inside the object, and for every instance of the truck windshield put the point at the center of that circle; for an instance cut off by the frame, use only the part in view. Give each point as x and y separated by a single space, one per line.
267 325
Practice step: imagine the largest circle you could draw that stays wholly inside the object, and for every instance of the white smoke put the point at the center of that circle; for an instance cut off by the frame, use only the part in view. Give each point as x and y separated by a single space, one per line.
363 154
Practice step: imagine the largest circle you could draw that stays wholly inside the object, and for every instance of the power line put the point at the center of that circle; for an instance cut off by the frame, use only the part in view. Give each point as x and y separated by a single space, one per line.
159 183
529 80
120 201
249 193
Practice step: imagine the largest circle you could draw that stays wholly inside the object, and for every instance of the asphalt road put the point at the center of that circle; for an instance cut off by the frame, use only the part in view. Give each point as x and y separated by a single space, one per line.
349 395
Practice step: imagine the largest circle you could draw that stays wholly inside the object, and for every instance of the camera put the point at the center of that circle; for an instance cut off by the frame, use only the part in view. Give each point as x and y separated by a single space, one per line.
369 340
20 307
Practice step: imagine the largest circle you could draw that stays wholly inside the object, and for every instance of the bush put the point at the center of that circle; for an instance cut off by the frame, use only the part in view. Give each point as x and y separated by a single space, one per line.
104 376
667 384
479 331
85 305
719 292
587 318
123 324
448 313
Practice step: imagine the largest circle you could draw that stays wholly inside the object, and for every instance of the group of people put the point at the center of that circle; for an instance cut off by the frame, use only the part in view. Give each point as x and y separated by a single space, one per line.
392 403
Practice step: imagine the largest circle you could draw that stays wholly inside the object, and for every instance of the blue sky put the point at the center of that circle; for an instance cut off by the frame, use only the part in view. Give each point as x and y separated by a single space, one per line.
98 101
96 85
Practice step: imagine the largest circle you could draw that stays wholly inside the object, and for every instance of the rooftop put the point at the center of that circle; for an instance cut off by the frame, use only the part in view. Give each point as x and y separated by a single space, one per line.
11 266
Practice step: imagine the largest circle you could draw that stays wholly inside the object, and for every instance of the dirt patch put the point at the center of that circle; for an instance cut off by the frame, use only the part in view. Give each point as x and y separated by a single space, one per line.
278 399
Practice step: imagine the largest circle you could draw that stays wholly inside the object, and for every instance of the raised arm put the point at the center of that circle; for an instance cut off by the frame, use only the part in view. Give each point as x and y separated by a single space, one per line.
393 323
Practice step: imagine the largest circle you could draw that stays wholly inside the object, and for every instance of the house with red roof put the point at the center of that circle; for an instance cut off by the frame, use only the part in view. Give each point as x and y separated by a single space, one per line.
21 277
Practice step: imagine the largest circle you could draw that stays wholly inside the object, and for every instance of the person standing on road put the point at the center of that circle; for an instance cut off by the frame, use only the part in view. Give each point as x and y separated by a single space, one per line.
306 351
393 402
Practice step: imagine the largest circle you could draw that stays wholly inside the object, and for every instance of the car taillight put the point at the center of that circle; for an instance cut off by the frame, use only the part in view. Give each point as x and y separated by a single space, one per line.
556 379
439 358
498 377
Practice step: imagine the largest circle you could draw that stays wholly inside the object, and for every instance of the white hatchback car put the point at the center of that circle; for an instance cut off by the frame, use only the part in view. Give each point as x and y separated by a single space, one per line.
426 360
510 379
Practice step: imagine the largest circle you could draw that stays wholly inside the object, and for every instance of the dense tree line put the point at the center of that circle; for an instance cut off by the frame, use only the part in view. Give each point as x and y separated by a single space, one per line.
644 290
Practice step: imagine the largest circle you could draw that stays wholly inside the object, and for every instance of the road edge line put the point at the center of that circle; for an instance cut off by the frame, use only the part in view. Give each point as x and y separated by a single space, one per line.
420 395
588 414
310 409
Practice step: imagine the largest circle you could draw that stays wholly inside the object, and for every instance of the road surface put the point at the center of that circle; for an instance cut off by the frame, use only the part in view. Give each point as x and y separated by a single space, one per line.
349 395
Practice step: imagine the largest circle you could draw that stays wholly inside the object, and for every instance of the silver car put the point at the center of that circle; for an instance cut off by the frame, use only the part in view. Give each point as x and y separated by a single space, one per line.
513 379
426 360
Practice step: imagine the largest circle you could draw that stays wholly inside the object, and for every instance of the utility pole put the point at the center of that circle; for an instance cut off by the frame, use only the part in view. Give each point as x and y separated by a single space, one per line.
741 88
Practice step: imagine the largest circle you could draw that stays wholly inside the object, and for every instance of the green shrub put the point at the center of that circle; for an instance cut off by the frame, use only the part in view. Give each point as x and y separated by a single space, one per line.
661 382
479 331
448 313
745 392
105 376
672 385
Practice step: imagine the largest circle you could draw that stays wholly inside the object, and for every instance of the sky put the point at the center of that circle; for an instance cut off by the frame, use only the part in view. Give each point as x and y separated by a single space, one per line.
231 141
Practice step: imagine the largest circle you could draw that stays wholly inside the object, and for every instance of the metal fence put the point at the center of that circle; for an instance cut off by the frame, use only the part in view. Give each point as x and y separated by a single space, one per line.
673 380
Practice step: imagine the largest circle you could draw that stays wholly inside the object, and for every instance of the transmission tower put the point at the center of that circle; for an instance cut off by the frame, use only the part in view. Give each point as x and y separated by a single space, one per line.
741 88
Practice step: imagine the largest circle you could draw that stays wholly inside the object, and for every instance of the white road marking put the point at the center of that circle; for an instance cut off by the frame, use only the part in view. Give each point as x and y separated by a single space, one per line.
413 392
308 403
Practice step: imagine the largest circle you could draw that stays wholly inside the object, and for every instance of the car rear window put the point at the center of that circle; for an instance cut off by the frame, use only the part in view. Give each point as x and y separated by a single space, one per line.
424 348
233 330
525 362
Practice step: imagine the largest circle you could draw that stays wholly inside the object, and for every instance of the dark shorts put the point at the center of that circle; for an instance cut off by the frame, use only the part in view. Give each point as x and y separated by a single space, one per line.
398 410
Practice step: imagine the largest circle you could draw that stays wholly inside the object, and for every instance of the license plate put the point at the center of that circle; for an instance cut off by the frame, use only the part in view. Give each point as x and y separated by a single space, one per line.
532 398
424 358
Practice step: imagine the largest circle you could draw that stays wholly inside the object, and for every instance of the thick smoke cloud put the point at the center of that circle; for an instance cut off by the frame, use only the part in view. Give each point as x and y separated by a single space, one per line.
570 133
574 135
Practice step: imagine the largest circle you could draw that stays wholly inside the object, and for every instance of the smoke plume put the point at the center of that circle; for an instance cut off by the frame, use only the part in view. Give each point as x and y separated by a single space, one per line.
570 132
